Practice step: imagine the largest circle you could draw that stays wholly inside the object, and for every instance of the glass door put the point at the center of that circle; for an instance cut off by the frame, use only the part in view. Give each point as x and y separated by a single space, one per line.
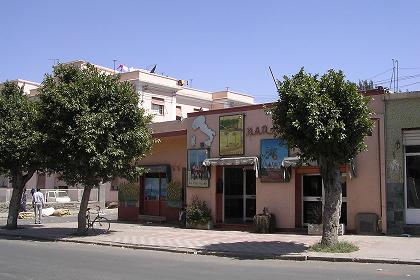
312 192
239 194
412 184
313 200
233 194
155 190
250 195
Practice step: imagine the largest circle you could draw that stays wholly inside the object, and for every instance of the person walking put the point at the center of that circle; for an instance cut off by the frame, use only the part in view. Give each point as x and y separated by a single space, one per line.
38 203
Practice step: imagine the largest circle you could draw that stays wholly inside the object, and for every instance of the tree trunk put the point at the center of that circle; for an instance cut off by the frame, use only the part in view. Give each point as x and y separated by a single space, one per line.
81 217
18 184
331 176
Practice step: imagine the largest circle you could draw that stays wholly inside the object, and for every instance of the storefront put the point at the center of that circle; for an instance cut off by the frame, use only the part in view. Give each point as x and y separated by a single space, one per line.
250 170
230 159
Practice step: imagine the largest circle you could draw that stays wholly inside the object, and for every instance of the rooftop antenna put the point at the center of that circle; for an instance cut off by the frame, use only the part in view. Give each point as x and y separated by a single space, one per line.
274 79
393 74
54 61
397 74
153 69
114 63
191 82
227 88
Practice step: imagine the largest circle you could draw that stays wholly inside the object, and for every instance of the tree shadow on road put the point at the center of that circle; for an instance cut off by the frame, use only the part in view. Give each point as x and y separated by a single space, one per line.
38 232
256 249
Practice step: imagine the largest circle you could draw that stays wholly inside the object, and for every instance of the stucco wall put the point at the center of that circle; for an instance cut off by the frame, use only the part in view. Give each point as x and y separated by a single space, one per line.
169 150
402 111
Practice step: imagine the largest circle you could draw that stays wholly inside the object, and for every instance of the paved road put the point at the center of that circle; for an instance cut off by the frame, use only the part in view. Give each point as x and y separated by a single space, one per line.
46 260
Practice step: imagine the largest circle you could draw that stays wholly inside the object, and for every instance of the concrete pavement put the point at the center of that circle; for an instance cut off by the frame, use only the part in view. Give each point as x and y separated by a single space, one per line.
238 244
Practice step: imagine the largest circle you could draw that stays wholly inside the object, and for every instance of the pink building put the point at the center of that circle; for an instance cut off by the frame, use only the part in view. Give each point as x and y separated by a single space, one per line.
230 159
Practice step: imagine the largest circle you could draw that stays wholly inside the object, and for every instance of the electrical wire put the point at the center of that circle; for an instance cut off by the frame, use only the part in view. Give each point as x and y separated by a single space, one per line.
386 71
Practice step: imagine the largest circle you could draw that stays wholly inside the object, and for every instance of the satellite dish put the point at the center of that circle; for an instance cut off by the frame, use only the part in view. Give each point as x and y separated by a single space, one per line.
153 69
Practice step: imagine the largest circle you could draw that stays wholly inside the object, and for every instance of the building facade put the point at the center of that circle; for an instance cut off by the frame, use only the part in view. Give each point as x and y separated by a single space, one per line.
230 159
403 162
165 98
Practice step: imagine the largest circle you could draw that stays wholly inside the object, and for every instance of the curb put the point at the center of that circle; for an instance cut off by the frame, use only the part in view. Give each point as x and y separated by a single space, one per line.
238 255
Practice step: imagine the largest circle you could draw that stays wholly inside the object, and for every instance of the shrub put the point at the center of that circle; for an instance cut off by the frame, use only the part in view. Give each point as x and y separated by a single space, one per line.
340 247
198 212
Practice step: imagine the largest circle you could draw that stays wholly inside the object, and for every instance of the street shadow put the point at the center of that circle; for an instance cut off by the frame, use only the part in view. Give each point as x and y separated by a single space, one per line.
38 232
247 250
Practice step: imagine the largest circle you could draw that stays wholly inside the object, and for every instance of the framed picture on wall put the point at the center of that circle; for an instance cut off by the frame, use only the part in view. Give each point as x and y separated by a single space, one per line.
231 135
272 152
197 173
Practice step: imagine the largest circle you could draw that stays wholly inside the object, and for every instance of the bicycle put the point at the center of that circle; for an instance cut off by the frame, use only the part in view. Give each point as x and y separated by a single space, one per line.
99 224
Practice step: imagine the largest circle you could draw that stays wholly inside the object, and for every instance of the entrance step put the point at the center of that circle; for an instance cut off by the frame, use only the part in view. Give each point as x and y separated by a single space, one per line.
412 229
151 218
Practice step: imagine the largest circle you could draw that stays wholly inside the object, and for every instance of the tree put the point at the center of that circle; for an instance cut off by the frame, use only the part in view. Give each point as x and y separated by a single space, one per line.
96 130
365 85
19 142
327 119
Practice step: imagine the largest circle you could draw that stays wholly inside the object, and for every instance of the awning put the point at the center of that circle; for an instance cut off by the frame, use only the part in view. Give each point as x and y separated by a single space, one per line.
233 161
164 168
290 161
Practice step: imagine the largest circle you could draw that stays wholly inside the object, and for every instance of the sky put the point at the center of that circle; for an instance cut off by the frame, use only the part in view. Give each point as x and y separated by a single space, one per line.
216 44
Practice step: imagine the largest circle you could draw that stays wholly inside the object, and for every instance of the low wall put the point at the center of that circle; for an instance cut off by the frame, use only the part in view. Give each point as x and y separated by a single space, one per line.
4 207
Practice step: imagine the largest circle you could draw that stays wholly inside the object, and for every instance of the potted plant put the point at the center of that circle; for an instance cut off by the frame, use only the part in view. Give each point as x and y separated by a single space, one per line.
174 198
199 215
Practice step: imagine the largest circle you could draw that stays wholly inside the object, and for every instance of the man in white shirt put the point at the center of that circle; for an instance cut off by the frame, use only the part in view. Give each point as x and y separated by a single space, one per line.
38 203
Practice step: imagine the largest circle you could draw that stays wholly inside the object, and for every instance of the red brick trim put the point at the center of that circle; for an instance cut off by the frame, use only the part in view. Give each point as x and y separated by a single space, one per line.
376 91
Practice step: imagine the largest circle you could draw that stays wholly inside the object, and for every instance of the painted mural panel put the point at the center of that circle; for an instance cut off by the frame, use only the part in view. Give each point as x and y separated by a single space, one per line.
273 151
197 173
231 135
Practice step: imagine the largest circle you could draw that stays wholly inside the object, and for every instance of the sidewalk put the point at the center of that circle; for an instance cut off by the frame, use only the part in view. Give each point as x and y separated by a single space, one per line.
237 244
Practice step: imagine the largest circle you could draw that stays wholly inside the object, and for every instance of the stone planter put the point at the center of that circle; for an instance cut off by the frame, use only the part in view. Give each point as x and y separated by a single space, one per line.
208 225
316 229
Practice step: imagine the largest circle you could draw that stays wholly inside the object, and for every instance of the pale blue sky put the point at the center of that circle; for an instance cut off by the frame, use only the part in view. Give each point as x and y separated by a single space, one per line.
218 44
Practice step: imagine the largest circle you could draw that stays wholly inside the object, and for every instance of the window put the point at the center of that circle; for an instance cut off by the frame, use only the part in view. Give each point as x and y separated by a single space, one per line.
114 187
158 109
155 186
178 113
158 106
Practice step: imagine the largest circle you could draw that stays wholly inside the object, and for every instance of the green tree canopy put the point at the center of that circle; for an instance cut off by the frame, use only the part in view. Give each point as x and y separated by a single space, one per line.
19 142
96 129
327 119
365 85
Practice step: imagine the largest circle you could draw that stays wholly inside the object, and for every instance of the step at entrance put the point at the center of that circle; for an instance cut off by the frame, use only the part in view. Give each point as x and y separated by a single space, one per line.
151 218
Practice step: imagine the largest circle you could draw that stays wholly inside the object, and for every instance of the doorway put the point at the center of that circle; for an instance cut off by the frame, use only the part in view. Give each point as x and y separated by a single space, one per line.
313 199
239 194
412 184
154 193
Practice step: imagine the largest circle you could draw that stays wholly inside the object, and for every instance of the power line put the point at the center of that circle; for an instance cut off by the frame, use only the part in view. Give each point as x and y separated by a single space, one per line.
410 84
400 78
386 71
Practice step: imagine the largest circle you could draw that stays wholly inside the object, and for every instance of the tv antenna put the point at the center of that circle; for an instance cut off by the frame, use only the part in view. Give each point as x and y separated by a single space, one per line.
54 61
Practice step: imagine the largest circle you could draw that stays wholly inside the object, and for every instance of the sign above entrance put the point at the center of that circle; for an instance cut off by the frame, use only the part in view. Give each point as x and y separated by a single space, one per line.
259 130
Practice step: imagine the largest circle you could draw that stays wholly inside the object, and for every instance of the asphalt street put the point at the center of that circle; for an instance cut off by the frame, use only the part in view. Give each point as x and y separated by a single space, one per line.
58 260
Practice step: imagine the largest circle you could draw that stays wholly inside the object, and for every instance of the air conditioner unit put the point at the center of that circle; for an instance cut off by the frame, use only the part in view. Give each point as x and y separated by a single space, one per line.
366 223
